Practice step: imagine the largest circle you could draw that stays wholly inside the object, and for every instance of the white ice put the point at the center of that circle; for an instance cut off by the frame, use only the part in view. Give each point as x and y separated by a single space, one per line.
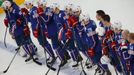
121 10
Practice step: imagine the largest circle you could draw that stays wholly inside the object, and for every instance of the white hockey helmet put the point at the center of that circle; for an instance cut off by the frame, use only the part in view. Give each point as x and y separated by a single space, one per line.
80 17
28 2
117 25
69 9
100 31
41 3
6 4
55 5
105 60
76 8
85 17
69 6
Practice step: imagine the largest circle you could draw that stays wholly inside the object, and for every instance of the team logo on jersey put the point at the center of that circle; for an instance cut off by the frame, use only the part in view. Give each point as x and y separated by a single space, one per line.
35 15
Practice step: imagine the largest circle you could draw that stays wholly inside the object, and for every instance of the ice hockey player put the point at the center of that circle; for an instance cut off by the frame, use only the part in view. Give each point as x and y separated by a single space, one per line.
124 52
131 51
66 33
79 33
117 32
104 59
79 29
109 45
99 15
38 28
92 41
15 22
121 44
25 14
59 20
70 34
51 25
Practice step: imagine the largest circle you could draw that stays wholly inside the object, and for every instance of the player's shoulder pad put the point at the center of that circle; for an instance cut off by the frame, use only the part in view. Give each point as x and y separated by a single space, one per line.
34 12
61 14
93 22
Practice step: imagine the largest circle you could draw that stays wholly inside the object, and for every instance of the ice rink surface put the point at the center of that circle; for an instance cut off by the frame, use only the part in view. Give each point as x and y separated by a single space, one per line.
122 10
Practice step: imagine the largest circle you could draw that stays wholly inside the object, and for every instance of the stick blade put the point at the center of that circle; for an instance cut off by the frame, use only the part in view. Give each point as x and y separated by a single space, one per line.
37 62
5 71
52 68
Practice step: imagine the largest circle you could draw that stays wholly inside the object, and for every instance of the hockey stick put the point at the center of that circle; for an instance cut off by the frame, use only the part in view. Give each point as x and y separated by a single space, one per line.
34 60
50 66
80 55
109 56
118 57
99 69
5 37
6 30
114 67
96 70
17 50
43 42
61 61
37 62
59 70
83 67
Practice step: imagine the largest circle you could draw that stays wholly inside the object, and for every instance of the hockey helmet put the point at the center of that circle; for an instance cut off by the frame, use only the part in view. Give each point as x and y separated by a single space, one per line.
6 4
117 25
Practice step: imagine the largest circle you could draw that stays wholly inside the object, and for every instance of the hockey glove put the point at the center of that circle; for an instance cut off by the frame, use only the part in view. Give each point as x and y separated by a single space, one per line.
123 46
47 35
64 27
128 67
74 22
91 52
36 33
109 34
105 50
69 34
19 21
6 22
26 31
113 45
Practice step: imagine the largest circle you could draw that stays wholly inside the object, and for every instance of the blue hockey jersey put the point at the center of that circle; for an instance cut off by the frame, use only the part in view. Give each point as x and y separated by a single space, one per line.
90 31
51 25
131 47
13 16
60 19
118 38
34 18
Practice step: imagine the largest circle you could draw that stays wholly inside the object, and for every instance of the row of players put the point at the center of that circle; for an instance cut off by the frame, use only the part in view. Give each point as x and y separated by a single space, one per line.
71 31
